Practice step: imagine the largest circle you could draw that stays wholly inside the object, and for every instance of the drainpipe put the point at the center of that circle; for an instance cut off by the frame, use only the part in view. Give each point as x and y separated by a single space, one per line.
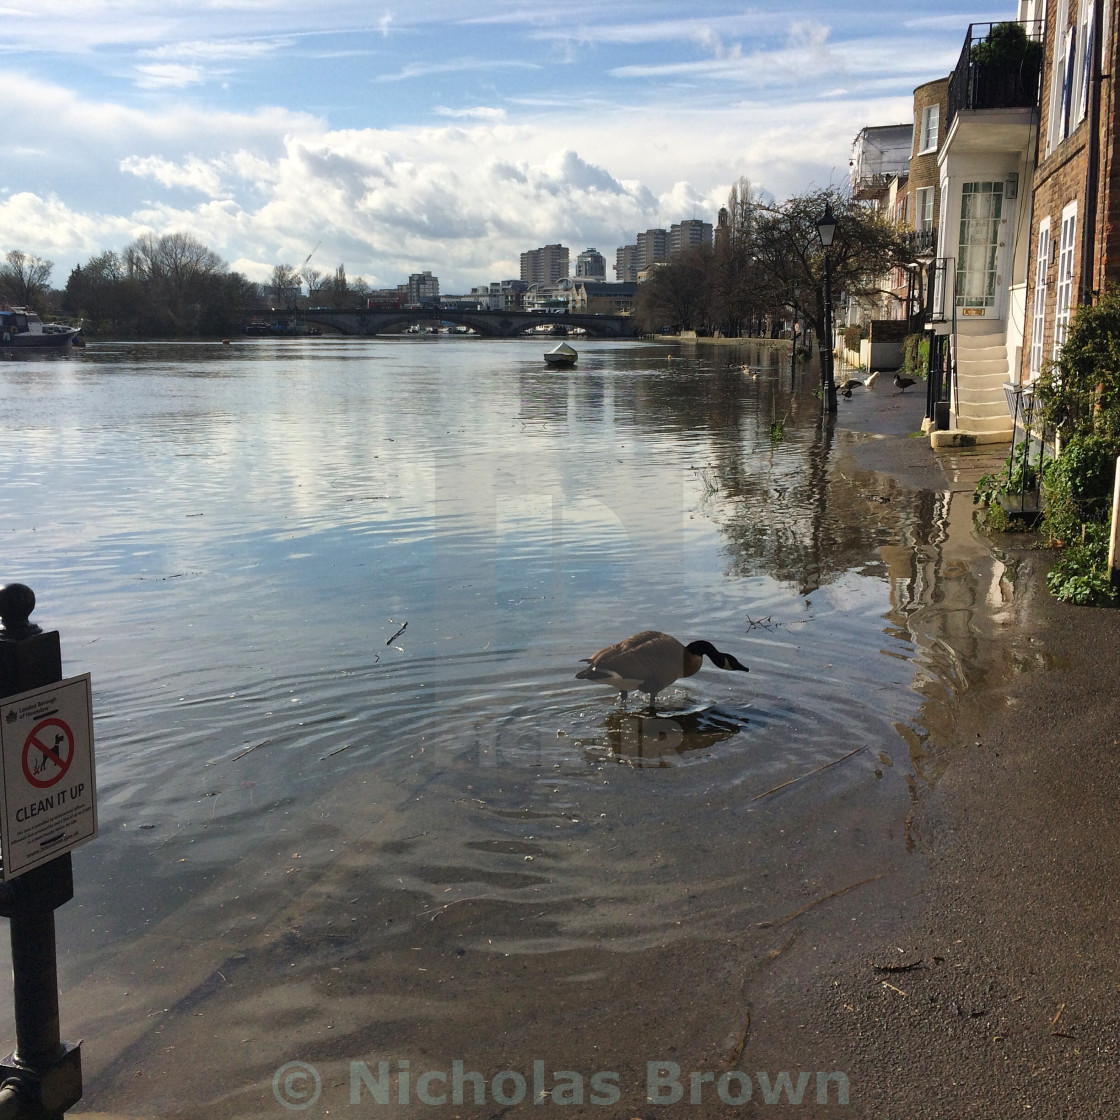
1093 145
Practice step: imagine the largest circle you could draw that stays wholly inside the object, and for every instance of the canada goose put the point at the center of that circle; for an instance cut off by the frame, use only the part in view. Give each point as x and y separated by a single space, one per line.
848 386
903 382
651 661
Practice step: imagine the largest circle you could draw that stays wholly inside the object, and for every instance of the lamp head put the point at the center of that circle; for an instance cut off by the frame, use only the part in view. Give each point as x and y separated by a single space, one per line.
826 225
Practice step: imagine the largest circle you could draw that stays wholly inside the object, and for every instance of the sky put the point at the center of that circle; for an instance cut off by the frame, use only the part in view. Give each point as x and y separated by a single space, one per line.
394 138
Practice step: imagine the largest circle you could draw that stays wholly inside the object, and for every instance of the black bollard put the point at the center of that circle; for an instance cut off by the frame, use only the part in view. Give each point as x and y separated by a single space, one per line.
43 1077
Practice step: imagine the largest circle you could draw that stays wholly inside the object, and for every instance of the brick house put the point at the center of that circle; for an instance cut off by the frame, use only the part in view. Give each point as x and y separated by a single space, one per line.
980 275
1075 224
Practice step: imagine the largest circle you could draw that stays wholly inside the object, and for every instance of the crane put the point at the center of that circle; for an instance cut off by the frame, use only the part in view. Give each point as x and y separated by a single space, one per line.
299 270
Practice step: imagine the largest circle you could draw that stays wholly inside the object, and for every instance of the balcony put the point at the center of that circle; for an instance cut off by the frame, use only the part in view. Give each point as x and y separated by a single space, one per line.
999 68
872 185
922 243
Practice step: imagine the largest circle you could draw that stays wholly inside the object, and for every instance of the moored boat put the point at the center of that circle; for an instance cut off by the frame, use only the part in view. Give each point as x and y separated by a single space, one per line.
562 355
21 328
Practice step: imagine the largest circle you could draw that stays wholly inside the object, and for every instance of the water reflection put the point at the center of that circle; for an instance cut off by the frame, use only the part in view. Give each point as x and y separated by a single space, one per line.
231 540
646 740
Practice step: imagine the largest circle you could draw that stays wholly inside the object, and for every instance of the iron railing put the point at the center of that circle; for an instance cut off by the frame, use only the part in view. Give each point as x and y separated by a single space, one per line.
921 242
938 380
992 75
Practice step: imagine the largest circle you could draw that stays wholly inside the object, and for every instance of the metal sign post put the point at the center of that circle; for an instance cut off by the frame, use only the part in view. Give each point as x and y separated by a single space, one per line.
42 1078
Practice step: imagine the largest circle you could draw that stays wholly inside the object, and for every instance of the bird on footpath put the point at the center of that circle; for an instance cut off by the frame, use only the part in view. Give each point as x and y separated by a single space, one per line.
848 386
651 661
903 382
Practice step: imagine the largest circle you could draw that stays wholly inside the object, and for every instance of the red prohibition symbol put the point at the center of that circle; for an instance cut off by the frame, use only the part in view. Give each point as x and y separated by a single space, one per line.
52 741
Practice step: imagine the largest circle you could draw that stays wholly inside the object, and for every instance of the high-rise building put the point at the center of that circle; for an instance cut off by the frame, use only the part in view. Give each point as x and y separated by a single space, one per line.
545 265
423 288
591 265
689 234
626 264
653 248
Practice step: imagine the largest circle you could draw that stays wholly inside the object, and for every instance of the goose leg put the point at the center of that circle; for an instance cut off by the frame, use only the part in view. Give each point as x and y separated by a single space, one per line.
622 697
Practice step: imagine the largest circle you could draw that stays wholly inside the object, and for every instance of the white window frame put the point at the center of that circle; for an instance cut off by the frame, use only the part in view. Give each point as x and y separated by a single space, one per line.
977 281
1063 296
1041 286
923 208
1079 107
1059 79
928 135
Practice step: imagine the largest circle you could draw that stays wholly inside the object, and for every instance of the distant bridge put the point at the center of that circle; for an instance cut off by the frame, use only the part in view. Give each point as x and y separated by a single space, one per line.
489 324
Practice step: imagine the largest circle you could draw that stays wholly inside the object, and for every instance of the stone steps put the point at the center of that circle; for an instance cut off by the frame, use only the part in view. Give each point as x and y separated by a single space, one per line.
982 370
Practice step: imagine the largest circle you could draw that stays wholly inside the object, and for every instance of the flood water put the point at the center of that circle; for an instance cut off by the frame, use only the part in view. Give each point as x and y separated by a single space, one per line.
333 595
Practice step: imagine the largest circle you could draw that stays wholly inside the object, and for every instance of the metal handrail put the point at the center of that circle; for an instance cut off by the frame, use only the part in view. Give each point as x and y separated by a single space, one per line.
977 84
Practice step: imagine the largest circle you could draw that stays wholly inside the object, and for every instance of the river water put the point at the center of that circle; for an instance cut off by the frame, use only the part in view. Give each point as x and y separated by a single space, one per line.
333 595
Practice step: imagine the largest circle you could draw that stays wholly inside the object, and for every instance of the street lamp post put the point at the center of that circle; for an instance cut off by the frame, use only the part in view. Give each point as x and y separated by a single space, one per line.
826 230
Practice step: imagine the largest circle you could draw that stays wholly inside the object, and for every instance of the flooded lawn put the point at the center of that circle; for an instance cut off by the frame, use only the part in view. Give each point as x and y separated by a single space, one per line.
356 809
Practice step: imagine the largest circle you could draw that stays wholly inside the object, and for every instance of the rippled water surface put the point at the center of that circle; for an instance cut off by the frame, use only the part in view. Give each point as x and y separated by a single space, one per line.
334 594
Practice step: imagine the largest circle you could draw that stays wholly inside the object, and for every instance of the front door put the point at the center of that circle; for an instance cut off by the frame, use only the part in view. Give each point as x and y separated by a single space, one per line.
980 251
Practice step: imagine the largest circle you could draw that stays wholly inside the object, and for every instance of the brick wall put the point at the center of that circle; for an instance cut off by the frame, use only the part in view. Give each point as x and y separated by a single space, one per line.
1061 177
923 169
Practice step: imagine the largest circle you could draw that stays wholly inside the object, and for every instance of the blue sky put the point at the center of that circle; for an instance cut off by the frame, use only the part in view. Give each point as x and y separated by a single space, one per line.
399 137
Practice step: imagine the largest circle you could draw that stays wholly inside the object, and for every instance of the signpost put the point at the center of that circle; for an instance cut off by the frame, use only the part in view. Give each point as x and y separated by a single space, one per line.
48 804
46 809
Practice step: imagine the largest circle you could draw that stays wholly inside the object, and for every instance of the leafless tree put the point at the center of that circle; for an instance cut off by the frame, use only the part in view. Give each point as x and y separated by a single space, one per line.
791 258
25 279
284 285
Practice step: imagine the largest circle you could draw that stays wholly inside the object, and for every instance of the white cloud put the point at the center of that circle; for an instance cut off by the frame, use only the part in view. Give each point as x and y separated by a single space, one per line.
50 228
211 50
478 113
455 66
193 174
169 75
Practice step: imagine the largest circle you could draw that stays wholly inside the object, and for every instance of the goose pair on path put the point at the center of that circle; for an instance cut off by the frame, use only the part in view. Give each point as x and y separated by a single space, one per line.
651 661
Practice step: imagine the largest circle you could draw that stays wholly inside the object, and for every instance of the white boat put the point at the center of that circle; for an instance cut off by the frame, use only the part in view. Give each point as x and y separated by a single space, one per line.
562 355
20 327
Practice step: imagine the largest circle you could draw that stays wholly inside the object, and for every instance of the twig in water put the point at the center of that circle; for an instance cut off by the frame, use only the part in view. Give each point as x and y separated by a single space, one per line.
802 777
766 623
397 634
809 906
251 747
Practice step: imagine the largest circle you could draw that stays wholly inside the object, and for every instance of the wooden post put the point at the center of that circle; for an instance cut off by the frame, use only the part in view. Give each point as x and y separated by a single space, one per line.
1113 575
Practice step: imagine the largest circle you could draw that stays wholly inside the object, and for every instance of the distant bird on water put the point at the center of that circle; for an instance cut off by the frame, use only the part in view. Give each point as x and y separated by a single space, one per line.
651 661
903 382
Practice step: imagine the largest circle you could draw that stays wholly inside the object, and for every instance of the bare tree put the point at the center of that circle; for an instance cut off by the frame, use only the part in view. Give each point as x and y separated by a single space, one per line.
283 285
313 278
739 288
25 279
791 258
338 288
676 293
